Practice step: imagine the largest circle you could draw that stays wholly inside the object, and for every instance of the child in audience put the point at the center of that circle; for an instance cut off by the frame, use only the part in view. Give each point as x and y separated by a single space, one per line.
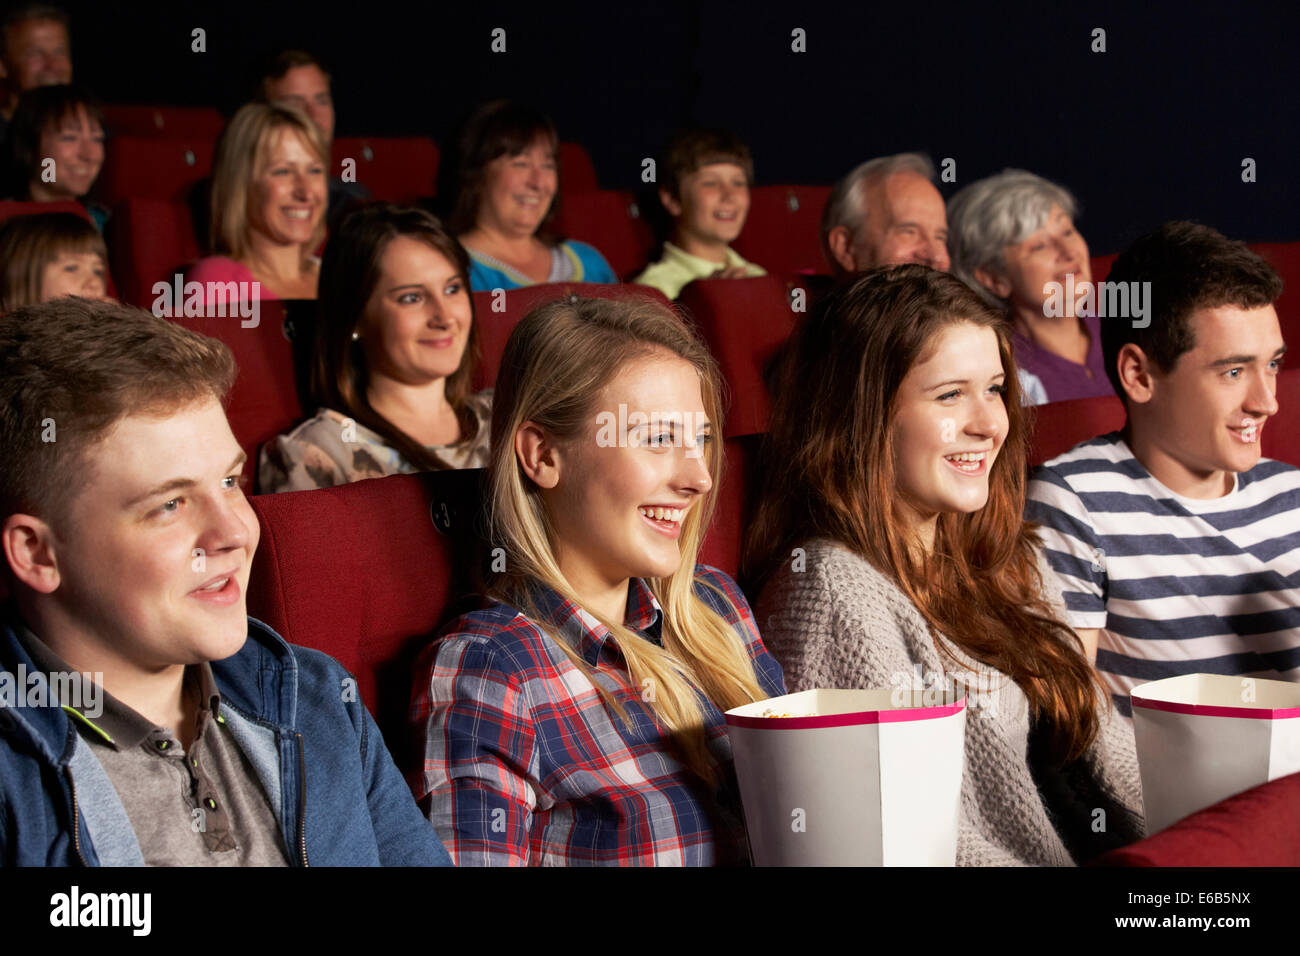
395 353
49 255
1010 235
578 718
56 148
707 194
507 192
1176 544
892 553
196 735
268 204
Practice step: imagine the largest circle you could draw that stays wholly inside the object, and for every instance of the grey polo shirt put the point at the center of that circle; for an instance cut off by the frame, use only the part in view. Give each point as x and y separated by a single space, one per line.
201 807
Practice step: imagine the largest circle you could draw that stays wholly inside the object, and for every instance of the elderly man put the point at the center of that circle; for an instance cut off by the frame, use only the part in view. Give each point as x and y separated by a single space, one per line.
34 52
885 212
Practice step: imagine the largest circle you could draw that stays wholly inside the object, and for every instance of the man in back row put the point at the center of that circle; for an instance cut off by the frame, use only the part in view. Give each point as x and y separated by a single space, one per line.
1177 546
128 544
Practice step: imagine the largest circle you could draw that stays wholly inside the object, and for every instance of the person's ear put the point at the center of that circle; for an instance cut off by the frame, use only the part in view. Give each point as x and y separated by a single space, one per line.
995 282
670 202
537 455
1136 373
840 242
29 549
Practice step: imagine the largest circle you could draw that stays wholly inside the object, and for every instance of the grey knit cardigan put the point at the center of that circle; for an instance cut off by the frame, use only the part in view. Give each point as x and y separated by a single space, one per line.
834 621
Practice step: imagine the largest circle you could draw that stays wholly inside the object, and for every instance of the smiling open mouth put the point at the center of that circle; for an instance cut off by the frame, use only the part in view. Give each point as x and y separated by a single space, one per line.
969 462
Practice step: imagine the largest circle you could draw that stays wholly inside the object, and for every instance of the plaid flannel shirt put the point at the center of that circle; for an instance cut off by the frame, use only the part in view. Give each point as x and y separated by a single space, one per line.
525 765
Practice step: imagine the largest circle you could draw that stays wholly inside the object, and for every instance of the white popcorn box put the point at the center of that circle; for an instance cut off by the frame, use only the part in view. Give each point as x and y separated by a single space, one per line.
862 778
1203 737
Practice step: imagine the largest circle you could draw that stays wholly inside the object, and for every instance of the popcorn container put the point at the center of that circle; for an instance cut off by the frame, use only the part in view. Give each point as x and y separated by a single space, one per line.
1203 737
851 777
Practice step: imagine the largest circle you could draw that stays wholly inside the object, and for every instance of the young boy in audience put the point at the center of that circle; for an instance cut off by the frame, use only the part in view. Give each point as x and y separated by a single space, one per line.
1177 545
707 194
199 736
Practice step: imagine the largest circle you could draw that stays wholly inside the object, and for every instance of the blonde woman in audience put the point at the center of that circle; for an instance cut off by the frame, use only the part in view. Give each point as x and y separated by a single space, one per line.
268 204
577 720
49 255
395 353
895 478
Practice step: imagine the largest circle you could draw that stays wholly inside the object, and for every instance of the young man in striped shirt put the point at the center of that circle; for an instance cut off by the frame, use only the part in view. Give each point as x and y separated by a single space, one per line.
1177 545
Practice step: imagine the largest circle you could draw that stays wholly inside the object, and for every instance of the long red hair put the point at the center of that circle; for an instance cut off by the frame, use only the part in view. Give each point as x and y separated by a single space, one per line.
830 472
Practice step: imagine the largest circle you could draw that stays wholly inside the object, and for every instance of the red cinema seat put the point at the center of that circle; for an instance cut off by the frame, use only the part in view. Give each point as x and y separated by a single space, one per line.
11 207
497 314
1285 258
783 230
398 169
577 171
744 322
1258 827
165 121
363 573
611 221
1059 426
1101 266
723 541
154 167
149 241
264 400
1281 436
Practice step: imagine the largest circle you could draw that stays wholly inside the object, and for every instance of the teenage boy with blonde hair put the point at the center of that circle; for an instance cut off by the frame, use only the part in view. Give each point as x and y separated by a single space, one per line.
127 543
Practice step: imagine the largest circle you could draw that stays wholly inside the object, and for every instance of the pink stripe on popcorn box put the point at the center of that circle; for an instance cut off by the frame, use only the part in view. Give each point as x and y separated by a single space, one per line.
1202 738
851 777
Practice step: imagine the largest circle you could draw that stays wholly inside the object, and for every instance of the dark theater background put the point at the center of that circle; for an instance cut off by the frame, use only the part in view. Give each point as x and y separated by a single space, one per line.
1154 128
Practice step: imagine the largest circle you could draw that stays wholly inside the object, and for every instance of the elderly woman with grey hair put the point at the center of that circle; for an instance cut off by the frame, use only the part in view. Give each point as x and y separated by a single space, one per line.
1011 236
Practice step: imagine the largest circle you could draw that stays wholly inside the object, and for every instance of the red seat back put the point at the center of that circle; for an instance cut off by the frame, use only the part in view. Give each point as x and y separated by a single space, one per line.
10 208
744 322
1259 827
1285 258
725 537
497 314
362 573
398 169
577 171
611 221
1059 426
150 240
264 400
163 121
154 167
1101 266
783 230
1280 438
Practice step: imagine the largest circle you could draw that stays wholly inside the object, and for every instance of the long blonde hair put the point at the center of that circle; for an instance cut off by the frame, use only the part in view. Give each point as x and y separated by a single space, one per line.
243 152
557 360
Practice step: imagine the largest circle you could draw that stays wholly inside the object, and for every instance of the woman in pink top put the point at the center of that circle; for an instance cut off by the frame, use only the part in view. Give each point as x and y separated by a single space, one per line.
268 205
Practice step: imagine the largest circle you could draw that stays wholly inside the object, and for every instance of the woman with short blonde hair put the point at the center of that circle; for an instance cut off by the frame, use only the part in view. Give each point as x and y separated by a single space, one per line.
578 719
269 197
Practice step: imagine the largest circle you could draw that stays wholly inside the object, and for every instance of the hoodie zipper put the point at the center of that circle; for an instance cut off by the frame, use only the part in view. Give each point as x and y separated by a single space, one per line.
302 800
76 821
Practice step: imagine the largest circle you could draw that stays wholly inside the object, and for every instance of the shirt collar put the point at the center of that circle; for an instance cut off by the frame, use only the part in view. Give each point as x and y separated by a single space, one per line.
704 267
588 636
117 725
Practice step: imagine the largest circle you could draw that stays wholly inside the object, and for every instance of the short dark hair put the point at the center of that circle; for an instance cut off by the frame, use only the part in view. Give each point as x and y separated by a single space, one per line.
499 128
693 148
81 366
1190 267
38 109
281 63
24 12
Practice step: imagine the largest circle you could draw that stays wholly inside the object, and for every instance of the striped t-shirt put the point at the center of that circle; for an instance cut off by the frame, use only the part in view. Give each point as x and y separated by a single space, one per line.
1177 585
